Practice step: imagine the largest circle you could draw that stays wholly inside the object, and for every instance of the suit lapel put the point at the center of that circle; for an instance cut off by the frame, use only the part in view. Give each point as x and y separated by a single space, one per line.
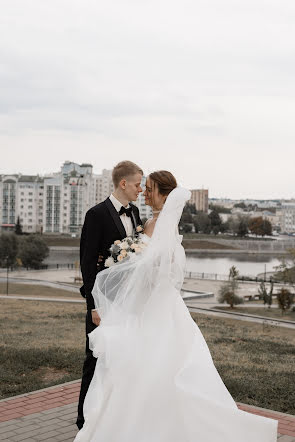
134 220
116 218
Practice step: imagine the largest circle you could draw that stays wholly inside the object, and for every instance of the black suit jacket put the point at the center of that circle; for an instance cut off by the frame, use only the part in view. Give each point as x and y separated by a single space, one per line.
102 226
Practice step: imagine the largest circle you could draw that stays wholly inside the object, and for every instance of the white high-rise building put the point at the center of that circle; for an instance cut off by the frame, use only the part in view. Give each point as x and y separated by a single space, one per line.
144 210
103 185
67 196
288 217
56 203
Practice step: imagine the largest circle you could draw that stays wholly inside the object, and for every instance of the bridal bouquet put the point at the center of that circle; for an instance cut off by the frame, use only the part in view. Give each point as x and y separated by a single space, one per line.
125 248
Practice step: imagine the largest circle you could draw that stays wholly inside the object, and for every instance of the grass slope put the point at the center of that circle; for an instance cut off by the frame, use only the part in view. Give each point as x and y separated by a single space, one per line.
43 344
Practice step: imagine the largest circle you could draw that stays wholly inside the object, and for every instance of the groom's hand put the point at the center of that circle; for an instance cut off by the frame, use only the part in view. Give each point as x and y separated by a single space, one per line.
100 260
95 317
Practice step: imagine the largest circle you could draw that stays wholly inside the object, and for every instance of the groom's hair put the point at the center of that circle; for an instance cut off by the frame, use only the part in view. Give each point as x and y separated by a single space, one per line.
123 170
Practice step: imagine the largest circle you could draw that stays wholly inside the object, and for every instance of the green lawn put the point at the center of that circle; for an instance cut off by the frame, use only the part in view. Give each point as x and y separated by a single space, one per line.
255 361
36 291
43 344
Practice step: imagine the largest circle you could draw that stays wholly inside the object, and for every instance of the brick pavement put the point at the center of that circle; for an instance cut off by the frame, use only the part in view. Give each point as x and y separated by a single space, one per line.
49 415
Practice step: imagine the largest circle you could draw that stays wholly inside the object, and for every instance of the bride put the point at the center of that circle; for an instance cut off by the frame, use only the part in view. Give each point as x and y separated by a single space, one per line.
155 380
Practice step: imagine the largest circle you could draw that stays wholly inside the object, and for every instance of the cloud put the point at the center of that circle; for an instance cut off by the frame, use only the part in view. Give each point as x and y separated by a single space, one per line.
193 76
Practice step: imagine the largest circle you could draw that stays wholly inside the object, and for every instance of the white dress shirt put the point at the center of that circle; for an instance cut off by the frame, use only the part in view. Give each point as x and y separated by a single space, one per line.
126 220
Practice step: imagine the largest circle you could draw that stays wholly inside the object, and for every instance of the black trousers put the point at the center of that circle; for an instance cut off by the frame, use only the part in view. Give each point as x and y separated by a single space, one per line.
88 371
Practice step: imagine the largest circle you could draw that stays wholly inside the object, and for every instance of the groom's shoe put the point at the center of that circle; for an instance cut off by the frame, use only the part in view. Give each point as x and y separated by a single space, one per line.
80 422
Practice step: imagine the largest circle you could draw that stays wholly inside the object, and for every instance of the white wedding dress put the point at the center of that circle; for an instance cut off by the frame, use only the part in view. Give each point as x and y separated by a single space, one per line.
155 380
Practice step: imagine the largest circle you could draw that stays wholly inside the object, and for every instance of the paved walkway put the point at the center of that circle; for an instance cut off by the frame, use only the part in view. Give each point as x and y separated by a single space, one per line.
49 415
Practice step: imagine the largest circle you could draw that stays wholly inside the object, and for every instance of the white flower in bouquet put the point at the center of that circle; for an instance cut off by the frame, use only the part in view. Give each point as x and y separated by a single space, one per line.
127 248
109 262
124 245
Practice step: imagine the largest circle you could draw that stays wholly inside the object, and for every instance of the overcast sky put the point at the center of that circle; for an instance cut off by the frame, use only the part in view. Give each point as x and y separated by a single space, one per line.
204 88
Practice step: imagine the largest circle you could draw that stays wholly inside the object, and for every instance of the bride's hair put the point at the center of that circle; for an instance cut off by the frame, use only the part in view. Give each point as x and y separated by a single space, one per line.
164 180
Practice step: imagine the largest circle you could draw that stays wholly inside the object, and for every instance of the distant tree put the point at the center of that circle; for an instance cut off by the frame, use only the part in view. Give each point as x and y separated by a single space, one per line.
285 299
266 297
18 227
286 268
187 228
186 217
232 224
262 291
216 230
215 221
255 225
233 273
267 227
8 249
33 250
260 226
191 208
225 227
240 205
219 209
242 228
202 222
228 290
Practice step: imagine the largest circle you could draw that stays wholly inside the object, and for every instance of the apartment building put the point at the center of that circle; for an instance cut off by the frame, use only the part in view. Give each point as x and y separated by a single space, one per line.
288 217
200 199
55 203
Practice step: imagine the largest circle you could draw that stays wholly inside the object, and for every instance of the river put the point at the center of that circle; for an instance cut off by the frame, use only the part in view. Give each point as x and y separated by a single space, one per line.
248 265
208 263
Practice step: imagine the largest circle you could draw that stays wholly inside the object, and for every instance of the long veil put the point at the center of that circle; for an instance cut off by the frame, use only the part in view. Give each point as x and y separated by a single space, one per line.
122 293
155 379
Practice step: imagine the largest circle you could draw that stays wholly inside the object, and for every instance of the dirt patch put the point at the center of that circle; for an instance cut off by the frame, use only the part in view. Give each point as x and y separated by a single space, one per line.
197 244
49 374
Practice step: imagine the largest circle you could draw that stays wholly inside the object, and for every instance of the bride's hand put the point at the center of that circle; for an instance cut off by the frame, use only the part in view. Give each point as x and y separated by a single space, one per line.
95 317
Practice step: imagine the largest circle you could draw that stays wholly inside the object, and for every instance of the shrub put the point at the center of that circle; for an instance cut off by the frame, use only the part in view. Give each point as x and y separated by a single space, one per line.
285 299
32 251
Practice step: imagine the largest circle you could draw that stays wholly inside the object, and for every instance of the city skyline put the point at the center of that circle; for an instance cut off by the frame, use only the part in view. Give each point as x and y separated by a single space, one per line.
57 203
183 86
99 171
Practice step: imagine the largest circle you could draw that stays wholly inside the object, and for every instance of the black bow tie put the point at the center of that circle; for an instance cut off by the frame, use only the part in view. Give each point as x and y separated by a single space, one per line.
126 211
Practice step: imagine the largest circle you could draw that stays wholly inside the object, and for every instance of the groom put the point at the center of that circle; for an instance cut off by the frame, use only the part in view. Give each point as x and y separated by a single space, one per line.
115 218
